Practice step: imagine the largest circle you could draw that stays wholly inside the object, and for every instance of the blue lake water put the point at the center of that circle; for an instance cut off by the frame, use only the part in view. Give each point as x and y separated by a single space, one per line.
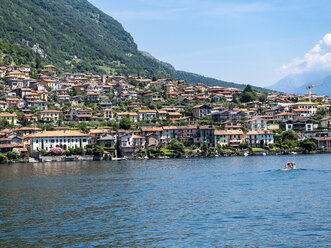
218 202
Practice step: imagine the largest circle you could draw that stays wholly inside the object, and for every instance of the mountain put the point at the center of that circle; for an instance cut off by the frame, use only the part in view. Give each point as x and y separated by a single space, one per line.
296 83
78 37
75 35
196 78
321 87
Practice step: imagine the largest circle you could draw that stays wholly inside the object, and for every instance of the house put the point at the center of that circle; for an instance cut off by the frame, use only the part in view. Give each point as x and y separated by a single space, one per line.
285 116
221 137
201 111
325 122
148 114
25 131
93 96
29 118
230 125
128 95
49 115
302 112
153 97
131 115
107 140
3 105
107 114
168 133
259 138
206 134
63 139
80 114
256 124
322 142
11 118
229 115
161 114
173 116
126 144
187 134
13 102
235 137
310 106
62 98
21 92
297 125
38 105
139 141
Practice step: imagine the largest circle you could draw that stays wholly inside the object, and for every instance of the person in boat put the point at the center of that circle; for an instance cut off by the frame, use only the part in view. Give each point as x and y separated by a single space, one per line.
290 165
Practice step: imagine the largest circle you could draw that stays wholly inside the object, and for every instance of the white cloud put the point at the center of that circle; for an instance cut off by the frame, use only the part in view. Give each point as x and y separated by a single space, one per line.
317 59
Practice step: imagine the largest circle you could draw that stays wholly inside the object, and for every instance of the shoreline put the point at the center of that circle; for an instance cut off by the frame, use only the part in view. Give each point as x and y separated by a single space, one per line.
49 159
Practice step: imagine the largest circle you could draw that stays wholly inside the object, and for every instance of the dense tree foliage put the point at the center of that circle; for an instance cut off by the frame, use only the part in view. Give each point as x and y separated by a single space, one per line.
75 35
248 95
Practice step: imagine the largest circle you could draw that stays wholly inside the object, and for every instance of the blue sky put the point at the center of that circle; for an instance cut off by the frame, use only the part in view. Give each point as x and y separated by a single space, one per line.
256 42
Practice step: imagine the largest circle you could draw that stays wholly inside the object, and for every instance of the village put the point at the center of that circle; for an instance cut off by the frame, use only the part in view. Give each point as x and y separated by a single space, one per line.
55 115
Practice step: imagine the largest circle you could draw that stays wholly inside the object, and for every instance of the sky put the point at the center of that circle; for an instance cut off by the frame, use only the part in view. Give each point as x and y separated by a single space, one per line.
241 41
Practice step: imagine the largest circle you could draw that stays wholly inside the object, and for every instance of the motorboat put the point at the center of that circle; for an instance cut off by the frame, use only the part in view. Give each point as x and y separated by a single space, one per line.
290 166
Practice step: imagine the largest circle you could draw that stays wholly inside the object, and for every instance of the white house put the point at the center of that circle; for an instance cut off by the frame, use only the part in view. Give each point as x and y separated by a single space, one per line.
259 138
64 139
257 124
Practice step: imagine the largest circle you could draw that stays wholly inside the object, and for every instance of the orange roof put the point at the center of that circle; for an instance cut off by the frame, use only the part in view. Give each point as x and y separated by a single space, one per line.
285 113
50 111
8 115
70 133
147 111
152 129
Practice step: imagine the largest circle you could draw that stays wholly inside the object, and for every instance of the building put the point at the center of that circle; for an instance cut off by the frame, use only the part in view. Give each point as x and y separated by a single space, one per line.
257 124
148 114
131 115
311 106
49 115
259 138
11 118
201 111
63 139
206 134
297 125
285 116
221 137
325 122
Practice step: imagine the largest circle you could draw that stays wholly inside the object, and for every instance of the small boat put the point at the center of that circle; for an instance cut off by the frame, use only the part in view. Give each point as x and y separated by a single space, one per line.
290 166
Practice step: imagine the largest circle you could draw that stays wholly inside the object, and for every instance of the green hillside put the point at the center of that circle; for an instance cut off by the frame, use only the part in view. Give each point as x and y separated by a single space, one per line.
78 37
75 35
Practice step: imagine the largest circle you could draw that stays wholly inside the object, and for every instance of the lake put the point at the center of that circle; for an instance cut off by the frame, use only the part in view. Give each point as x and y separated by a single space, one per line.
214 202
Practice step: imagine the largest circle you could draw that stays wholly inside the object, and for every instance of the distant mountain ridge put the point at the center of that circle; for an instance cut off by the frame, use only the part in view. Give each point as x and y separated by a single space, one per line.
297 83
78 37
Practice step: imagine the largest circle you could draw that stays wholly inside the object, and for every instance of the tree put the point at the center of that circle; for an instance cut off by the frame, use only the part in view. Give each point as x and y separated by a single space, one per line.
125 123
56 151
177 146
98 150
308 145
16 153
204 147
42 152
79 151
248 95
3 159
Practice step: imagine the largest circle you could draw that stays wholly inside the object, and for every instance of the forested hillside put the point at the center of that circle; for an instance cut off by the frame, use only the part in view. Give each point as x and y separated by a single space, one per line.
75 35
